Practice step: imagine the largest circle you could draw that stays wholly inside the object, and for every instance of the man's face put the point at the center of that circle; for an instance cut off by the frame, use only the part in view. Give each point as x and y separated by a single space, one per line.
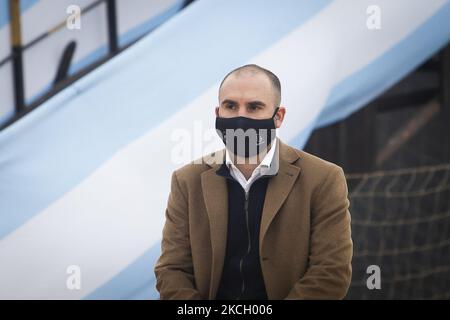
247 95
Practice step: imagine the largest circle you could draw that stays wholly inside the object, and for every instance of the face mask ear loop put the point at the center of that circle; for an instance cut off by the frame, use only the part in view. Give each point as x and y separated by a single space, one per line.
276 110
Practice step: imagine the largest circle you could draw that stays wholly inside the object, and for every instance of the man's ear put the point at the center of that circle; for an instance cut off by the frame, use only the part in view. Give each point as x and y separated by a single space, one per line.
217 111
279 117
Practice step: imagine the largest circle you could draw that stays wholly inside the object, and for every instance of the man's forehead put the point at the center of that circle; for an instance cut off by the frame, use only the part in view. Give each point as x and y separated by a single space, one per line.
246 85
248 77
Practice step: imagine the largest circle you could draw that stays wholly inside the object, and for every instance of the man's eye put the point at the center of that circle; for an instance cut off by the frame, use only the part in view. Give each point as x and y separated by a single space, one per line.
230 106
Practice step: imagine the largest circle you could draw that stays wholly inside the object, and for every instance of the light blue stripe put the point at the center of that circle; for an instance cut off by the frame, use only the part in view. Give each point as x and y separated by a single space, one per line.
55 147
413 43
4 13
366 84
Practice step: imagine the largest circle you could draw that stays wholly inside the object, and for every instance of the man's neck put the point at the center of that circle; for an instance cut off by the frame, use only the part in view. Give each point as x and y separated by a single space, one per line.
246 169
247 165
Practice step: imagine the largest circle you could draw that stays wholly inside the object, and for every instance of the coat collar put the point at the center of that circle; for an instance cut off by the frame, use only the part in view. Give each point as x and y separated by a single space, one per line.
216 200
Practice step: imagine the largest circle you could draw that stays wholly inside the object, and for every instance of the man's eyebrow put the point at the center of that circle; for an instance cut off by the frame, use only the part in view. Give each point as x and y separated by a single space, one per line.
228 101
251 103
256 103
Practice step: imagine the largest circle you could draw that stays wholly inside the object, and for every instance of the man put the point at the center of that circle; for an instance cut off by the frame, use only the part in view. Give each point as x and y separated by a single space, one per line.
258 219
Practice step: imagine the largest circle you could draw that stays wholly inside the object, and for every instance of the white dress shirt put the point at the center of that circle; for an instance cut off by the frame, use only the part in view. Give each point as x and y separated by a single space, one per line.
268 166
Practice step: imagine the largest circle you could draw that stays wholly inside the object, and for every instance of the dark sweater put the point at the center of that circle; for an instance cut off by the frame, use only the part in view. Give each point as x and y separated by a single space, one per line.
242 276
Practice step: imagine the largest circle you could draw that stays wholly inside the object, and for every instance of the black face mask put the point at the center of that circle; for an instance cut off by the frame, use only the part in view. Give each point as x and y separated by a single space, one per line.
246 137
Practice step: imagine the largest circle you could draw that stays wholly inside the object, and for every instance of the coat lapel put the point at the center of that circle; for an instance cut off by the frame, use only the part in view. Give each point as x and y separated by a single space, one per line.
279 187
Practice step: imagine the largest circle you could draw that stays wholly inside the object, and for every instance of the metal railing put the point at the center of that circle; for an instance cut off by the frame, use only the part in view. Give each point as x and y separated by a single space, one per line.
62 79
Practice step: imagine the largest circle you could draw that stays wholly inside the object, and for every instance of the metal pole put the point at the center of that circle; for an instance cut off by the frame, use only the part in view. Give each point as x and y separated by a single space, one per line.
16 47
64 63
112 26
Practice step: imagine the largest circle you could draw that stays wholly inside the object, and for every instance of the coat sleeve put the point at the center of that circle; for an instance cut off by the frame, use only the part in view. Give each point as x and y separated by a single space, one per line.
331 248
174 270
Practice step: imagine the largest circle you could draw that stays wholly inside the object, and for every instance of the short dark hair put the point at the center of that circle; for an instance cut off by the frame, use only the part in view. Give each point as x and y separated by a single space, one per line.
272 77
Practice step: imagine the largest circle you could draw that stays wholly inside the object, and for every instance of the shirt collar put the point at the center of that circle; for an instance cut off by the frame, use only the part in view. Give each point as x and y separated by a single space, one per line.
269 160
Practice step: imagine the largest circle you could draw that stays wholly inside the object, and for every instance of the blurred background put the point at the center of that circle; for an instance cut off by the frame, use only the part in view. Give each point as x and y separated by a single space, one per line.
101 100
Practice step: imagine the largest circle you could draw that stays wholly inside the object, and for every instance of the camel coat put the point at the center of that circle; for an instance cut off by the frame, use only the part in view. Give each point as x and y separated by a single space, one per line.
305 236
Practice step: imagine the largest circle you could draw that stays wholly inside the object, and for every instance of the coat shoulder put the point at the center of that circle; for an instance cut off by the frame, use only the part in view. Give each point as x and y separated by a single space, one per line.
318 172
314 164
194 169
